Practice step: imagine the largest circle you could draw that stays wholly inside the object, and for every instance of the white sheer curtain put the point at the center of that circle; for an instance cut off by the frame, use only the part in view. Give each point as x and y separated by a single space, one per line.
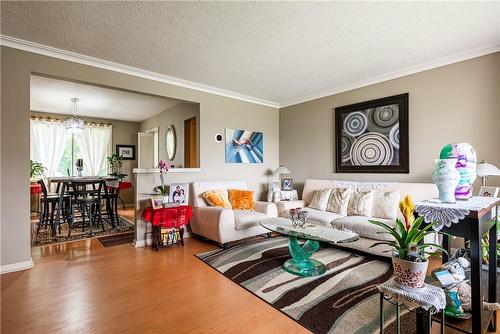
94 147
47 143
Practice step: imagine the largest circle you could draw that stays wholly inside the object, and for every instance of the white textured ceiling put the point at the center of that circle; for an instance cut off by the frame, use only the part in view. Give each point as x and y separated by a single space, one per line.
53 96
277 51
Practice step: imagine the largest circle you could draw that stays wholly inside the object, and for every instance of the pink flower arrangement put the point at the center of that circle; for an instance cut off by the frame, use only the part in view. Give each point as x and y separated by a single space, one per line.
164 166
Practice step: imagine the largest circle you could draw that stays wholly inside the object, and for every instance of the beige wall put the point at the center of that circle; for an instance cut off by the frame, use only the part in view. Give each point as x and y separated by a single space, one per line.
454 103
174 116
216 113
123 133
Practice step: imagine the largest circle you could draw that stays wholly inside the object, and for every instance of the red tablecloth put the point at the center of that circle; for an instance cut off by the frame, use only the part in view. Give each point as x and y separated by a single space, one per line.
168 217
125 185
35 189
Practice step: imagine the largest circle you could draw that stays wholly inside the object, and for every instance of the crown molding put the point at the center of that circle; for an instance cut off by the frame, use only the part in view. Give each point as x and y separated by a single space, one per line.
46 50
455 58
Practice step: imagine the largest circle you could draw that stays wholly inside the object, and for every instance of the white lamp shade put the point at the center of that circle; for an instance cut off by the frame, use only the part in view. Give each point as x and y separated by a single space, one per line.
281 170
485 169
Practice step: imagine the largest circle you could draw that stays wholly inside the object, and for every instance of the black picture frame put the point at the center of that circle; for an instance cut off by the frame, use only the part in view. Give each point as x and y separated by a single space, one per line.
403 165
287 184
126 157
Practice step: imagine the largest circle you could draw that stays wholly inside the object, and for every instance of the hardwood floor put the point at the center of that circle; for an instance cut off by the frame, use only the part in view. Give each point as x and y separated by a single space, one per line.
83 287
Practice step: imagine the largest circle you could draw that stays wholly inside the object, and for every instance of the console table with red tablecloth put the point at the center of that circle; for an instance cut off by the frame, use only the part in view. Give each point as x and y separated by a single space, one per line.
172 218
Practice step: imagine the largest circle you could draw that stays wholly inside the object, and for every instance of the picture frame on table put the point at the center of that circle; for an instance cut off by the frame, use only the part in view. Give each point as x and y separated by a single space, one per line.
287 184
157 202
488 191
179 193
127 152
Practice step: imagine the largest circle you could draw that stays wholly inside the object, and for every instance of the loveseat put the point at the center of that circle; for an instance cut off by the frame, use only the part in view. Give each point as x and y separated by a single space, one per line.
224 225
359 224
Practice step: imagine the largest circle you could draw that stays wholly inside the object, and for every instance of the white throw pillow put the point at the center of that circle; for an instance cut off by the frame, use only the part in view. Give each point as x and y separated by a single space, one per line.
320 199
385 204
360 204
339 200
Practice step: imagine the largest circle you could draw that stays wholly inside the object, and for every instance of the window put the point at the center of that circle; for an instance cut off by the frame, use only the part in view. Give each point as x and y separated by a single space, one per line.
57 149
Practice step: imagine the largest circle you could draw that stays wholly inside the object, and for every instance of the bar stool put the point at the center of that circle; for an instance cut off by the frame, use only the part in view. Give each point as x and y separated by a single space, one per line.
89 203
49 204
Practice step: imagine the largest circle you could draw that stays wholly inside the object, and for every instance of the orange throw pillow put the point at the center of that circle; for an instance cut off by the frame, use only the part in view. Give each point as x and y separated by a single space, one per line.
217 198
241 199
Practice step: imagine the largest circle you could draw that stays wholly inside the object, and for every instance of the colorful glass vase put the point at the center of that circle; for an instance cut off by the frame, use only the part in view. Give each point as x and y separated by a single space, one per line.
446 178
466 166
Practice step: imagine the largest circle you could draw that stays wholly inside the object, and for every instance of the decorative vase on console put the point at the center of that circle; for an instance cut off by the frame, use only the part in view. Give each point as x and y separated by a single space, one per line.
79 167
446 178
466 166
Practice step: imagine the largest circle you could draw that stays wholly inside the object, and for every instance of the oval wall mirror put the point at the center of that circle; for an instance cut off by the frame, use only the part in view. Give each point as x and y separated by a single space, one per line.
170 142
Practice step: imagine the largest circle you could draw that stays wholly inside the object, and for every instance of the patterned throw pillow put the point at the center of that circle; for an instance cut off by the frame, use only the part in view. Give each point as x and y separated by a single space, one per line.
217 197
320 199
385 204
241 199
360 204
339 200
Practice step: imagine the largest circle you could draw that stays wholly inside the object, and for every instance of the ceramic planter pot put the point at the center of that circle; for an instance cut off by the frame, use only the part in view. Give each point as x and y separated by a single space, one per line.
465 165
446 178
409 275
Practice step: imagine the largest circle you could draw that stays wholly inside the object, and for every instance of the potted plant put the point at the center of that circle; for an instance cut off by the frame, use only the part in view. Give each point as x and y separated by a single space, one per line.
37 170
115 162
164 166
409 256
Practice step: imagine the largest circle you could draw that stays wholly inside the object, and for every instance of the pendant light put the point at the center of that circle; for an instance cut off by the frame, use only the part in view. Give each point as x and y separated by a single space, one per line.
74 124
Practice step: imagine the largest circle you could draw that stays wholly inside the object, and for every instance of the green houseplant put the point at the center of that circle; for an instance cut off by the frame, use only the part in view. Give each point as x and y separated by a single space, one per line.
409 254
37 170
115 162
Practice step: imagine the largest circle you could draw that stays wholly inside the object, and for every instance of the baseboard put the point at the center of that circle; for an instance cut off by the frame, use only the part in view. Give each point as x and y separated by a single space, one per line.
9 268
142 243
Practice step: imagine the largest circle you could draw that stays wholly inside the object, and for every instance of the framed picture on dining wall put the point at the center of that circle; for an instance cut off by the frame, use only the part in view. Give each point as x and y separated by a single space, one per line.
372 136
126 151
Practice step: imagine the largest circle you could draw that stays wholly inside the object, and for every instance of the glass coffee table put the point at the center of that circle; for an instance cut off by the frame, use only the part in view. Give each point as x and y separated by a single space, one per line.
301 263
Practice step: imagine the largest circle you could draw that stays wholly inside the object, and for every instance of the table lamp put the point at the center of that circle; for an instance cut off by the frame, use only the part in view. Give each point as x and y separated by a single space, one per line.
485 169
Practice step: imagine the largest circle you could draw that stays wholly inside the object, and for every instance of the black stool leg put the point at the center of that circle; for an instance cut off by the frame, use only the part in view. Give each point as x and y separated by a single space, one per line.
381 313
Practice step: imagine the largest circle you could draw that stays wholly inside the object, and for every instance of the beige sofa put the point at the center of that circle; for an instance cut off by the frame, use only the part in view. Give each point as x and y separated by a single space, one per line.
226 225
359 224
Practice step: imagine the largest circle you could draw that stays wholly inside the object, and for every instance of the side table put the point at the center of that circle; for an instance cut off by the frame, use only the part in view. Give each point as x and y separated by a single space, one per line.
470 219
172 218
430 299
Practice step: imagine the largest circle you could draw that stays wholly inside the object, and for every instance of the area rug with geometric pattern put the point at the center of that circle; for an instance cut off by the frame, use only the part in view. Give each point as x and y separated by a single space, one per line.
343 300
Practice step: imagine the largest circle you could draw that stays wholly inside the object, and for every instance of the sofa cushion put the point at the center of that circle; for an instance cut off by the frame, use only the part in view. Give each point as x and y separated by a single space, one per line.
320 199
218 198
241 199
385 204
360 204
245 219
362 226
339 200
323 218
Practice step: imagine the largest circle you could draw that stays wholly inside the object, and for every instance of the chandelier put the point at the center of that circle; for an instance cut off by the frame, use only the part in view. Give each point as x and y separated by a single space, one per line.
74 123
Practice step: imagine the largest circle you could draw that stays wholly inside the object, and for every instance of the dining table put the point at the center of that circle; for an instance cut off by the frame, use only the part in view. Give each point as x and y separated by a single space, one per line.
62 185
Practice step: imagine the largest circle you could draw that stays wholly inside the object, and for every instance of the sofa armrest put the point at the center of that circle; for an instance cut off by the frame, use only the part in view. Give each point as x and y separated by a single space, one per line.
269 209
208 221
285 206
